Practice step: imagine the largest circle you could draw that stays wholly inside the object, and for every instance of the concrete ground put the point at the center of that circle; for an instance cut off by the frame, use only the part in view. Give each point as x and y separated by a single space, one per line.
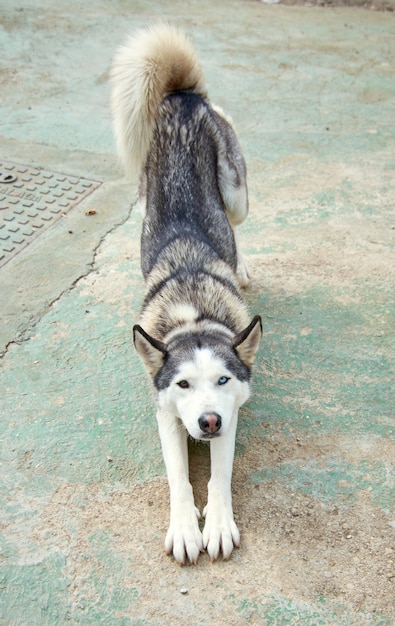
84 499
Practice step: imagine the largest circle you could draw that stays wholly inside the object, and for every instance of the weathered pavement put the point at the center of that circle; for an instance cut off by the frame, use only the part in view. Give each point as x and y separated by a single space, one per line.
84 498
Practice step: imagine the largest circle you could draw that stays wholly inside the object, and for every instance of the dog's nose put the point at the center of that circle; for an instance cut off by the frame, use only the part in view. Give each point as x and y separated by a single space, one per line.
210 423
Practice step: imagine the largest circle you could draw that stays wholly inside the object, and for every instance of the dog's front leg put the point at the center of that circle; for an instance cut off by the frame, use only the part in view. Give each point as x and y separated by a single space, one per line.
220 531
183 538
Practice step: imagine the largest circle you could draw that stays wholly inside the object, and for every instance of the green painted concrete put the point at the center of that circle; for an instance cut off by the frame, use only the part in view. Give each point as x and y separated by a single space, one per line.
312 94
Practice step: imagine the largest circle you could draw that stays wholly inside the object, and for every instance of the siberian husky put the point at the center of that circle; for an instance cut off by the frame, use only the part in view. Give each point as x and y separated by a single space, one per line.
196 337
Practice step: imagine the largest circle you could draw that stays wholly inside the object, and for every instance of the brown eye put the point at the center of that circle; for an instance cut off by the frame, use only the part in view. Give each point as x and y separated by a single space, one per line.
184 384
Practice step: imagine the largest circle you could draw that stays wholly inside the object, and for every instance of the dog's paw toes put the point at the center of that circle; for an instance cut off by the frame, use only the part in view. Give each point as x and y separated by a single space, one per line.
220 536
184 543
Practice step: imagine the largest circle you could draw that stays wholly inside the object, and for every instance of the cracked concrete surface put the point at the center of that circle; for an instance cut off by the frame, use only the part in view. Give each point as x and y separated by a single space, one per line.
68 250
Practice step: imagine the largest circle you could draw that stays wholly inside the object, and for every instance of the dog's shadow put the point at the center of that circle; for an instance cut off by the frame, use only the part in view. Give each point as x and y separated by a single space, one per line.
199 470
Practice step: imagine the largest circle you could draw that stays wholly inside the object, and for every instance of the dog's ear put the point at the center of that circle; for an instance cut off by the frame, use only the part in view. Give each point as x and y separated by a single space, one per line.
246 343
152 351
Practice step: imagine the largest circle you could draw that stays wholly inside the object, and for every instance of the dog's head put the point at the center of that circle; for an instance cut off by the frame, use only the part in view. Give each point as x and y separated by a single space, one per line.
203 377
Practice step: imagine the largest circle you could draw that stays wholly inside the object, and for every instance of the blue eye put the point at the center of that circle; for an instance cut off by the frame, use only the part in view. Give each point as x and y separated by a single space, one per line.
184 384
223 380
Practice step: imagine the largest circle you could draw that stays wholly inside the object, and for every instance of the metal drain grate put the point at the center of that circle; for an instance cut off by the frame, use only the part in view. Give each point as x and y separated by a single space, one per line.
33 199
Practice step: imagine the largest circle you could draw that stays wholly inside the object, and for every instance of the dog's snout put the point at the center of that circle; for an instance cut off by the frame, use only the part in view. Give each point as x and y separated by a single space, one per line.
210 423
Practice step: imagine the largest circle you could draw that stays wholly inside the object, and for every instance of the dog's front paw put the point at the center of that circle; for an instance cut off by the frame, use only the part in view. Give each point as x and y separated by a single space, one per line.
184 539
220 532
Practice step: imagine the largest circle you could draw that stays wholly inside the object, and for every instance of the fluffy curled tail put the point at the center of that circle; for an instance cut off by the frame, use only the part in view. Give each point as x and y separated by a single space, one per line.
154 62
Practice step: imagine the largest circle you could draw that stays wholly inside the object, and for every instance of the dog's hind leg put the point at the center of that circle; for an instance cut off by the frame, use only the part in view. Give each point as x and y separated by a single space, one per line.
232 171
183 538
220 531
234 194
232 181
243 273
